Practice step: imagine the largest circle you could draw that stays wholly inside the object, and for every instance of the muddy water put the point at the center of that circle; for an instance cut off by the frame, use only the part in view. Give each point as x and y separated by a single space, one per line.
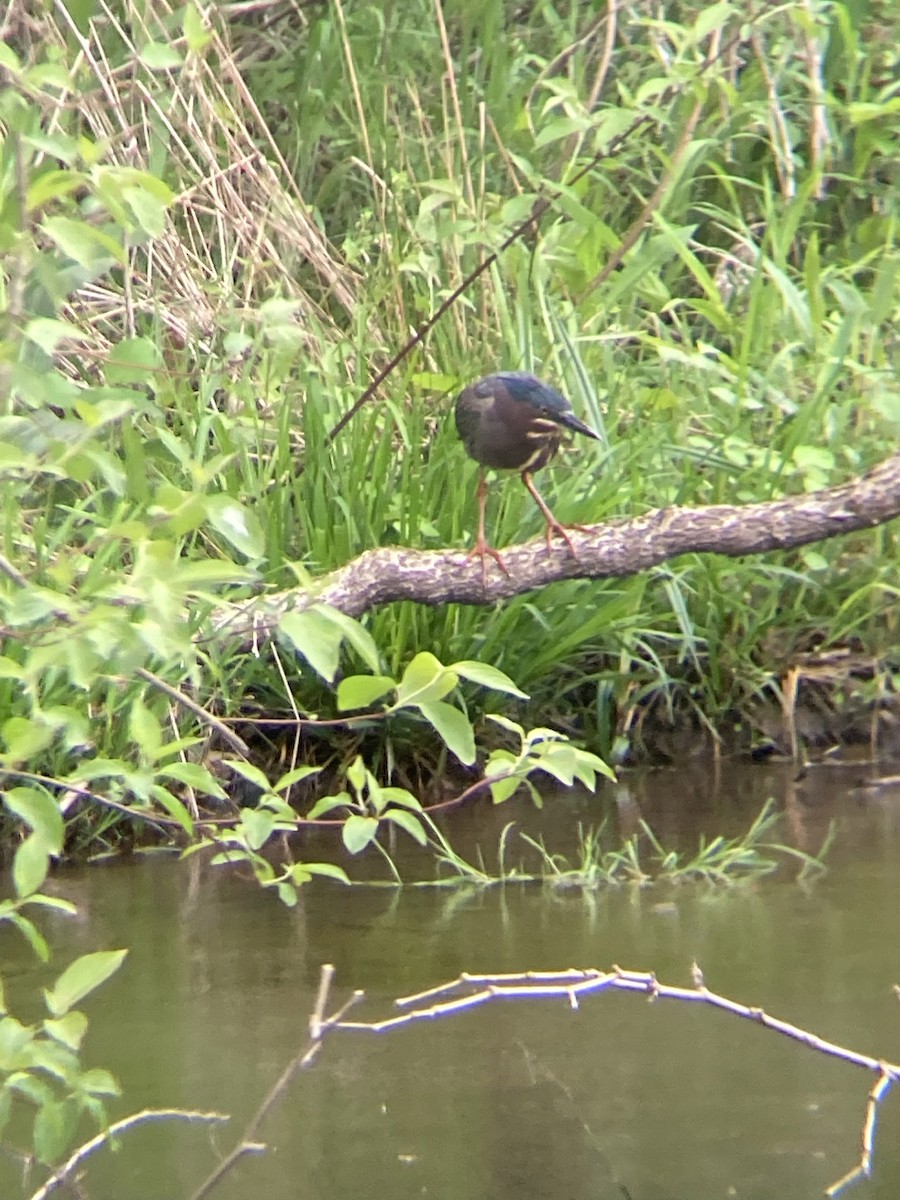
529 1099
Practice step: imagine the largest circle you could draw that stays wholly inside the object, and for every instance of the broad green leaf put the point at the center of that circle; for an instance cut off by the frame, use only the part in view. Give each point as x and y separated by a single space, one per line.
85 244
328 804
424 680
81 977
249 772
237 524
358 832
30 865
355 633
31 934
15 1041
505 723
195 33
99 1082
257 826
145 730
295 776
327 870
397 795
407 821
160 56
502 789
136 360
557 760
148 212
361 691
487 676
54 1128
356 774
69 1030
40 811
194 775
54 185
454 727
170 804
316 638
48 333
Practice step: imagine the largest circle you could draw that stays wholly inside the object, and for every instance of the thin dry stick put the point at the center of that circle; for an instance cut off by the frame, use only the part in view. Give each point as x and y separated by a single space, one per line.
237 744
818 120
640 223
319 1025
58 1178
572 984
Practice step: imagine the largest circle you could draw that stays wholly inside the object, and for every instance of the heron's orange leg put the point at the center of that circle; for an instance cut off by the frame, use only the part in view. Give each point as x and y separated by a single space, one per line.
553 526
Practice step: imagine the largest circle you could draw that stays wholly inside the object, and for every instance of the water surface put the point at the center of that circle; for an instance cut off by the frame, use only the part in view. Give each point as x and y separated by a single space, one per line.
654 1101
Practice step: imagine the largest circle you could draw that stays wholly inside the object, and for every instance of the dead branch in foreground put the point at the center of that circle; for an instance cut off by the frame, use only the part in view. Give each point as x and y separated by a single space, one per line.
613 549
572 984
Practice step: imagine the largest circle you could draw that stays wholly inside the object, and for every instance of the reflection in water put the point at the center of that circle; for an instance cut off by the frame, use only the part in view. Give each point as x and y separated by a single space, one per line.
529 1099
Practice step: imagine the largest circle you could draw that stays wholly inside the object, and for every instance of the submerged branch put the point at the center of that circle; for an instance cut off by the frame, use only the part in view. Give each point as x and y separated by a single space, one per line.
614 549
469 991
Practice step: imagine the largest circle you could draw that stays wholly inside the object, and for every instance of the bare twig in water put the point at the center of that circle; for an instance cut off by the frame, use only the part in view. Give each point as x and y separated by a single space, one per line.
572 984
319 1025
63 1175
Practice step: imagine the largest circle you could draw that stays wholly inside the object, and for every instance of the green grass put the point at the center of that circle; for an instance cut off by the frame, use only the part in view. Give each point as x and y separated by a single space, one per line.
743 348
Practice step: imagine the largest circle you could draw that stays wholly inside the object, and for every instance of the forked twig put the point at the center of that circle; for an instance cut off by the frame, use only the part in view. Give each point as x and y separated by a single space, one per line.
319 1025
445 1000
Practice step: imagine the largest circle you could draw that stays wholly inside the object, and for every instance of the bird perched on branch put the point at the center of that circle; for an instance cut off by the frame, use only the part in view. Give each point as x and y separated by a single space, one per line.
512 421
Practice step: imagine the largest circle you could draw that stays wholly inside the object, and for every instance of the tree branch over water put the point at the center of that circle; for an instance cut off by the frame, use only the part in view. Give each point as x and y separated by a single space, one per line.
614 549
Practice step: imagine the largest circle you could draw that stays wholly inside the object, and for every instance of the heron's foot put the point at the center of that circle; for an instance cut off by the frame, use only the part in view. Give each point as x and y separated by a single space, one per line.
554 527
483 551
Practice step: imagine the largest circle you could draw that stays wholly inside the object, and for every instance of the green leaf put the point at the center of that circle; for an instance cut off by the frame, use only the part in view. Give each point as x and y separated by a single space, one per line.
257 826
48 333
148 211
15 1041
174 807
505 723
249 772
40 811
160 56
81 977
454 727
409 822
30 865
68 1030
90 247
194 776
145 730
54 1128
358 832
328 870
558 760
502 789
488 677
32 935
316 638
397 795
98 1082
424 680
134 360
296 776
237 524
328 804
361 691
195 34
357 635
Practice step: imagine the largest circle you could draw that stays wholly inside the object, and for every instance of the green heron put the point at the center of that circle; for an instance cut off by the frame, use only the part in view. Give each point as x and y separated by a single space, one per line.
514 422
